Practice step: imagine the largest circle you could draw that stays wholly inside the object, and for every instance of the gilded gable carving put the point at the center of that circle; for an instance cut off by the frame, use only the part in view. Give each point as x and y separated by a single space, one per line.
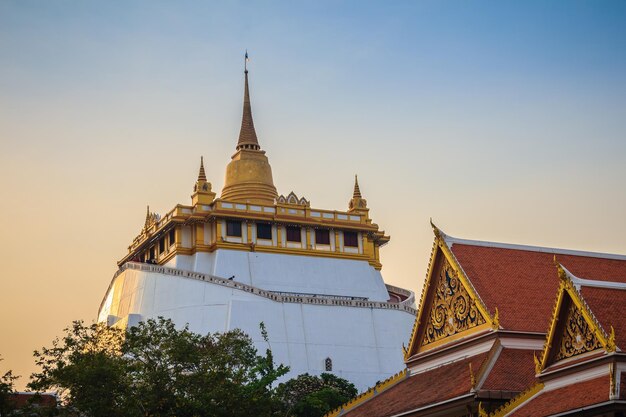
452 309
293 199
577 336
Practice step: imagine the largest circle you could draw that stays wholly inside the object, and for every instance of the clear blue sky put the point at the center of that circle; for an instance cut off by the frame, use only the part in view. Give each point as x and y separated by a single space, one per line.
501 120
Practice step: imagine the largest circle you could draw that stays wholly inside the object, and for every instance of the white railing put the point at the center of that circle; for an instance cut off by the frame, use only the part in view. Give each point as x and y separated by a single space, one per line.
317 299
409 295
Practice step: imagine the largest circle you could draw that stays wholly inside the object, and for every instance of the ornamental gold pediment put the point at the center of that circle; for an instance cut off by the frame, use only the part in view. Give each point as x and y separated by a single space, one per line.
452 309
574 330
577 336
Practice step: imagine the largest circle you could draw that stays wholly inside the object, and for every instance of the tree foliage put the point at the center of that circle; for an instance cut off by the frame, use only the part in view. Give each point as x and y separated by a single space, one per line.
313 396
6 389
86 369
154 369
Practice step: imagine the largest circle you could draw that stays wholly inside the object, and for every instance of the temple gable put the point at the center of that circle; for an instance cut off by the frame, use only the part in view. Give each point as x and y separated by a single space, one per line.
576 337
452 309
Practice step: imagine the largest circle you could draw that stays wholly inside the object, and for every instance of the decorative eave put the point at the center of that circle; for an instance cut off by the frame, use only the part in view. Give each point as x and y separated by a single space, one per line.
513 403
441 246
568 288
370 393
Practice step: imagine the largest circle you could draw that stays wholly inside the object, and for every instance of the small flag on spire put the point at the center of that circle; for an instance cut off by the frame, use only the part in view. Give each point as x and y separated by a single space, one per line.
247 59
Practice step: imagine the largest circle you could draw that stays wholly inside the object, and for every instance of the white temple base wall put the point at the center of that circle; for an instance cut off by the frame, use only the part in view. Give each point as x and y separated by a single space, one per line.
289 273
364 344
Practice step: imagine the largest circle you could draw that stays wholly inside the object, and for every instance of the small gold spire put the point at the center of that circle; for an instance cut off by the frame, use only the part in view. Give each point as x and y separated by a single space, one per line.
201 174
357 190
151 218
357 202
202 193
147 222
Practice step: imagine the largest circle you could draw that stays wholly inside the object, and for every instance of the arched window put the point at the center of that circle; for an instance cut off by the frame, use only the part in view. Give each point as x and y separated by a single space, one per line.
328 364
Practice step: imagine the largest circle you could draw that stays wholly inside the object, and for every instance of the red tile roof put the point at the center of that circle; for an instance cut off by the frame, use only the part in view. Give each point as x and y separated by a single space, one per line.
514 370
604 303
522 282
22 399
443 383
568 398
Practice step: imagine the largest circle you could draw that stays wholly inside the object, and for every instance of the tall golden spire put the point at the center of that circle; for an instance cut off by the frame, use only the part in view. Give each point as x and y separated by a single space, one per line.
247 134
249 174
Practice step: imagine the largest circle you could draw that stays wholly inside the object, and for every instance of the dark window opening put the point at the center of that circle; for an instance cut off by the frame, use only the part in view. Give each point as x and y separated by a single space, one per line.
322 236
263 231
293 234
328 364
162 245
172 236
350 239
233 228
152 253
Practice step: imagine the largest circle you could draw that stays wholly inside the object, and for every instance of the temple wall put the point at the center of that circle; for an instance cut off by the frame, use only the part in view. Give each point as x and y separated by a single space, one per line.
364 344
289 273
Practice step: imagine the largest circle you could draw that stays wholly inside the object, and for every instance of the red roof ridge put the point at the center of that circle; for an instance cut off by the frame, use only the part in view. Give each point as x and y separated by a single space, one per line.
450 240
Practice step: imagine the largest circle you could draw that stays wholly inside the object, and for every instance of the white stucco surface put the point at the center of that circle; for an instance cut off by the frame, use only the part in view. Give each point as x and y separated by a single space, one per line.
364 343
289 273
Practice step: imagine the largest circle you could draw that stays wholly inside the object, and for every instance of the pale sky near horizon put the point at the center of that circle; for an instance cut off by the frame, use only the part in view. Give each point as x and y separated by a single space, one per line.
501 120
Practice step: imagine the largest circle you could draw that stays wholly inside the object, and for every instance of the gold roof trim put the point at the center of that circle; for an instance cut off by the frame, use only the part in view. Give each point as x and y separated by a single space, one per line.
567 288
493 320
370 393
518 400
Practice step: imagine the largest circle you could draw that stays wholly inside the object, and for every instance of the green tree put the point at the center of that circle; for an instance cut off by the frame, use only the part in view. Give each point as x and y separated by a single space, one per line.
177 372
313 396
6 389
154 369
86 369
